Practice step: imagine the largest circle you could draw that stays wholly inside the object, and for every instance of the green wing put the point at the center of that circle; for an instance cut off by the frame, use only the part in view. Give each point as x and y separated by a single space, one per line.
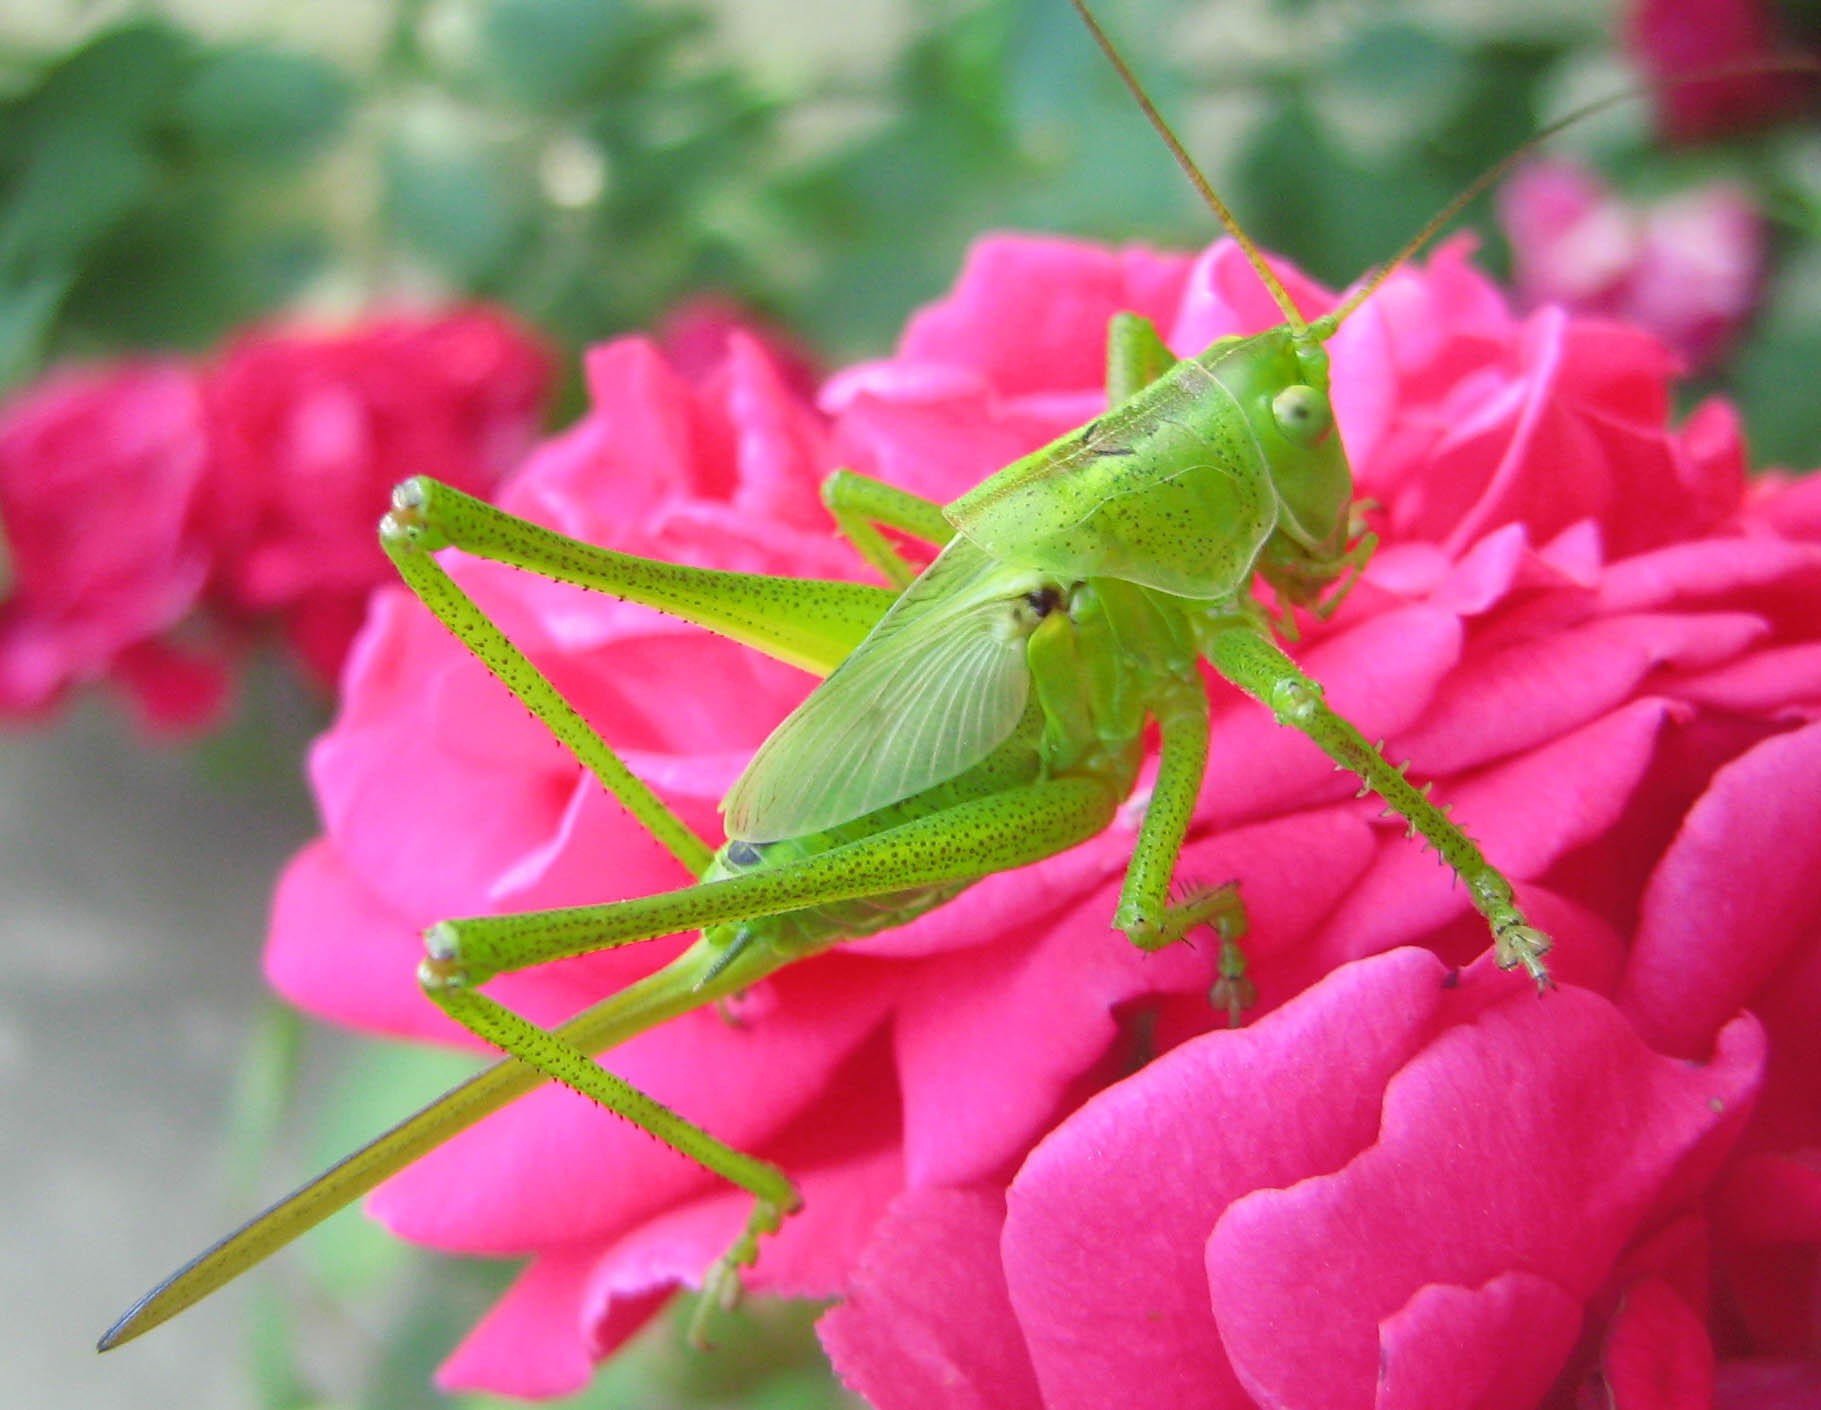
937 686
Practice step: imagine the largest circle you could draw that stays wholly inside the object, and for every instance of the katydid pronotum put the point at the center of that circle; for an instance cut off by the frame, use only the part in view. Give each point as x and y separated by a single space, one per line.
982 714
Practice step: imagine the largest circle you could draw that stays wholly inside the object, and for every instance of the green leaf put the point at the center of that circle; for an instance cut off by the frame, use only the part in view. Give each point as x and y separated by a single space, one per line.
183 270
79 181
264 106
1775 373
265 1084
455 209
1398 60
28 312
122 78
1302 196
551 53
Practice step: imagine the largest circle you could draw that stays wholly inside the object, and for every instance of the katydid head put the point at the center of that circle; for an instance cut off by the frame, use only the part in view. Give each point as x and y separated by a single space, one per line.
1286 401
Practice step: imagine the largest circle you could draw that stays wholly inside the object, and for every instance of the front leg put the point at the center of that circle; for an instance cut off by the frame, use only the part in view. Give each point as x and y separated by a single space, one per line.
1144 913
1257 667
1353 562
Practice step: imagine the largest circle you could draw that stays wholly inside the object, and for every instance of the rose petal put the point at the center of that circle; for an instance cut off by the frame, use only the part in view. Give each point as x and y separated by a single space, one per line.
531 1343
1486 1348
553 1168
1712 570
939 448
1107 1220
1768 1198
1784 682
1767 1385
1657 1355
1734 892
1031 314
926 1324
337 949
843 1159
1516 697
1379 675
1588 1125
1524 814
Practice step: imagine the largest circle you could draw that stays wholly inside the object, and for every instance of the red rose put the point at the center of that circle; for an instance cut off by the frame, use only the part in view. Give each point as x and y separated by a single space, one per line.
1686 269
99 474
309 432
1676 39
146 496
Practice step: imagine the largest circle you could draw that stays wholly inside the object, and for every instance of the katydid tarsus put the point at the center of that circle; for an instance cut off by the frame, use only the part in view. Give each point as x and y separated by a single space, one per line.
981 714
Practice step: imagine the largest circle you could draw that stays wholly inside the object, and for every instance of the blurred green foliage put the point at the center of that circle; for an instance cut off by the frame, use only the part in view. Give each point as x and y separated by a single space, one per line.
594 161
136 177
591 162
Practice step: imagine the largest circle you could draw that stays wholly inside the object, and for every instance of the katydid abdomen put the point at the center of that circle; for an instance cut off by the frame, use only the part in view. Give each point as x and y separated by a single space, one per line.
1080 662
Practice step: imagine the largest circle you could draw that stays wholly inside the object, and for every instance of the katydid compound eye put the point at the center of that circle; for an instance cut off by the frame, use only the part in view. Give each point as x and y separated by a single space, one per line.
1302 414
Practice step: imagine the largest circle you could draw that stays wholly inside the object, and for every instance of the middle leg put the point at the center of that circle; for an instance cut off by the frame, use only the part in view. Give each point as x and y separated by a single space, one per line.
1147 915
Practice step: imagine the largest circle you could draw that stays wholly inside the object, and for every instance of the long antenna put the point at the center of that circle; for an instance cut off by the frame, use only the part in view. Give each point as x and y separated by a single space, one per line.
1331 320
1278 293
1382 272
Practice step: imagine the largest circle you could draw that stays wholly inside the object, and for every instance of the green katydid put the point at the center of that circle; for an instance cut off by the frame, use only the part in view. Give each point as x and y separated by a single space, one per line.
987 712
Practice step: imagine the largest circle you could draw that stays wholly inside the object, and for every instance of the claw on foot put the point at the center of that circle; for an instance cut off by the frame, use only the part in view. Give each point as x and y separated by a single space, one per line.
1519 944
1233 990
721 1286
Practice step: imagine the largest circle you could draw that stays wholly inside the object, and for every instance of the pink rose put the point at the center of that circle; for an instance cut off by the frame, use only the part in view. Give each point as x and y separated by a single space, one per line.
99 474
1686 268
1580 626
1677 38
310 431
1625 718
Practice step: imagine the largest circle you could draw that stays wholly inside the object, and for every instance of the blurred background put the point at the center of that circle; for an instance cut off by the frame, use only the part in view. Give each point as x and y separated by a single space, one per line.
175 176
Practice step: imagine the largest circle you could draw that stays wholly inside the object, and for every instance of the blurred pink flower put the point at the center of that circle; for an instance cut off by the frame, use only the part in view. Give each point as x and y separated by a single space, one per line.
157 512
694 338
1686 268
1674 39
309 430
1580 625
99 475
